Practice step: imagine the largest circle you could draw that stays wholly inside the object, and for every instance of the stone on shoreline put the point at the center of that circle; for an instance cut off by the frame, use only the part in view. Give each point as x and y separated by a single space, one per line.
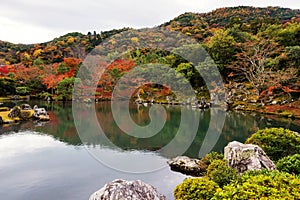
23 113
186 165
15 112
127 190
244 157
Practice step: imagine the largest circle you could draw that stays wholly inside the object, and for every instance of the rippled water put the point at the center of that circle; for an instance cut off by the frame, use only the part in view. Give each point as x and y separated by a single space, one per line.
49 161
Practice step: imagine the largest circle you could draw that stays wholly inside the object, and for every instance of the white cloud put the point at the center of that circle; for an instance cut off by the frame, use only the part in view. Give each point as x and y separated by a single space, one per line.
18 32
29 21
15 145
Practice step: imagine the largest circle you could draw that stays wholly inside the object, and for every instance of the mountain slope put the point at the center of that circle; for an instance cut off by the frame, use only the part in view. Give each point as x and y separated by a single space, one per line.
193 24
199 25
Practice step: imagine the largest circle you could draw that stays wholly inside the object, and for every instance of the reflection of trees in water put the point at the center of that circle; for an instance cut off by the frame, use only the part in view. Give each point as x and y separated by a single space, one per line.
238 126
16 127
141 117
61 125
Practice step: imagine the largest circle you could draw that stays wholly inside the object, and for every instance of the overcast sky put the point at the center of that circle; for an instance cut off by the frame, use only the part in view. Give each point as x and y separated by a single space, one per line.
33 21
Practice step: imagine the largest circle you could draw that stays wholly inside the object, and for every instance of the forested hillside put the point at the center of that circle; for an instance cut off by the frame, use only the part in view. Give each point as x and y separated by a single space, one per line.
257 51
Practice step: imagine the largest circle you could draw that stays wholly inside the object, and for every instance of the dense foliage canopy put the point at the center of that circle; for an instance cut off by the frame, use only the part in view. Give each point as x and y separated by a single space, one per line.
248 44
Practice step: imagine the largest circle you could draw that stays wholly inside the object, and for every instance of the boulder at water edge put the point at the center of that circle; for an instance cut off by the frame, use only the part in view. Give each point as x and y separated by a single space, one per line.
15 112
186 165
127 190
245 157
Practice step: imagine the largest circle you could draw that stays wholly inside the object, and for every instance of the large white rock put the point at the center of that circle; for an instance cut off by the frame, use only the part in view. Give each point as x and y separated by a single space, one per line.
245 157
127 190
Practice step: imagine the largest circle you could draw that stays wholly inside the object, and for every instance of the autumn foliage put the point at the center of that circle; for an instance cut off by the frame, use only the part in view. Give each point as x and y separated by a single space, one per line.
4 70
259 46
111 75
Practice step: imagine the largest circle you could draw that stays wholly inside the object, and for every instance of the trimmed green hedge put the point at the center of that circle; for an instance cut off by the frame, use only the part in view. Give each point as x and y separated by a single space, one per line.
251 185
195 188
276 142
289 164
219 172
208 159
262 185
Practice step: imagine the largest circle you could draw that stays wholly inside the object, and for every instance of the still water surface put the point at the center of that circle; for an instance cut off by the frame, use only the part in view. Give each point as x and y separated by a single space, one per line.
48 160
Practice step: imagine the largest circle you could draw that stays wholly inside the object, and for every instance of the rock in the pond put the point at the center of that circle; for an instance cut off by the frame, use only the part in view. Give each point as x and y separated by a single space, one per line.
26 114
15 112
274 102
40 111
245 157
127 190
186 165
26 107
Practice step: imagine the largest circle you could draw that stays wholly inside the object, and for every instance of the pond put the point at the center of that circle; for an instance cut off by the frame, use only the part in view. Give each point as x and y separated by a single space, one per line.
53 160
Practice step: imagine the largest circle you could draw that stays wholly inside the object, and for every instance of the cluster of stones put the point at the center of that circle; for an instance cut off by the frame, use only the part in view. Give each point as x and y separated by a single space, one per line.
240 156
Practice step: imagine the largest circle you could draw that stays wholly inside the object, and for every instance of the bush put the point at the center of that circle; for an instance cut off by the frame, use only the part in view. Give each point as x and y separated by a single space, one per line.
195 188
219 172
22 90
38 62
209 158
7 86
44 95
289 164
276 142
62 68
262 185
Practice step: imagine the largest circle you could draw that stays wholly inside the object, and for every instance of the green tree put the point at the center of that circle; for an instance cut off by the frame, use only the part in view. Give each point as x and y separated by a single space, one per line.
38 62
293 54
62 68
22 90
222 48
187 69
7 86
65 88
289 36
115 74
238 34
